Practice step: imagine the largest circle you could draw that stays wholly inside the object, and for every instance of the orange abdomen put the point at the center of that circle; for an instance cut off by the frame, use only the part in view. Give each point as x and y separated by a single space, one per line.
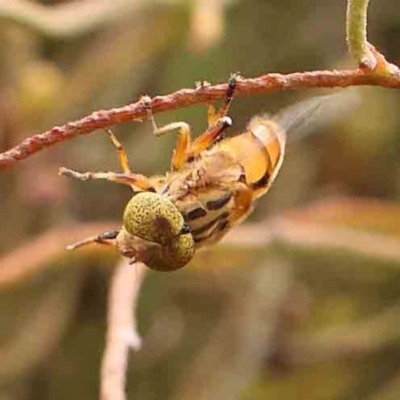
259 151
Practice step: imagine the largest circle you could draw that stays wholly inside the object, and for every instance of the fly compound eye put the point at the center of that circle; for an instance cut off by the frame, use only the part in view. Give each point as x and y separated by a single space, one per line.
154 230
152 217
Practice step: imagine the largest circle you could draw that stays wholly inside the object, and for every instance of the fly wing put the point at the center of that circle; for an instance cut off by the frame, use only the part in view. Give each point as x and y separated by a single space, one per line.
311 115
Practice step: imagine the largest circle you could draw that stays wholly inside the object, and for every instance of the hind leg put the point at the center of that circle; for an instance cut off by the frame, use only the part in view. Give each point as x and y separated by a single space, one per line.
214 116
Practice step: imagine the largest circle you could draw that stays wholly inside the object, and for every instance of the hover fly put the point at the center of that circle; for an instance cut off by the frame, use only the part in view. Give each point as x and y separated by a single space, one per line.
212 185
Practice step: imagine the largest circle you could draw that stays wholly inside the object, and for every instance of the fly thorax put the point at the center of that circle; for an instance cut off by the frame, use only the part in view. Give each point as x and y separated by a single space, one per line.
220 167
207 212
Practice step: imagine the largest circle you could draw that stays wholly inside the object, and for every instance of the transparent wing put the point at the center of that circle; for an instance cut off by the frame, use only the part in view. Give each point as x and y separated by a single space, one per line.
311 115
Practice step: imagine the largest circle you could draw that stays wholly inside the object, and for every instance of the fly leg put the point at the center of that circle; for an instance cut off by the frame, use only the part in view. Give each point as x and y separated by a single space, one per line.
137 182
106 238
122 156
218 122
185 150
184 138
214 116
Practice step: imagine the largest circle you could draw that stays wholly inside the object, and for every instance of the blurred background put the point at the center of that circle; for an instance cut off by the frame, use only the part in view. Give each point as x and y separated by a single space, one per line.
249 319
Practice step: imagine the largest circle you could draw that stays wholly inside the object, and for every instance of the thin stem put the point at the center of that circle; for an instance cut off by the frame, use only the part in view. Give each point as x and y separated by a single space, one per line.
189 97
122 332
356 33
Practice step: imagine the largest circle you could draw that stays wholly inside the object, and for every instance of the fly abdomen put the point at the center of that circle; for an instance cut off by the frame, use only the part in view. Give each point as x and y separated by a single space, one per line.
210 225
218 203
214 233
195 214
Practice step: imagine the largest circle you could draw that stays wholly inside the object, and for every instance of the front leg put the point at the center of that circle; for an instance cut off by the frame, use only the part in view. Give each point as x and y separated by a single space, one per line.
107 238
184 138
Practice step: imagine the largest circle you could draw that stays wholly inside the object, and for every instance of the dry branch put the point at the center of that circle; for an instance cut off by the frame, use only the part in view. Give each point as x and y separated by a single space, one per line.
189 97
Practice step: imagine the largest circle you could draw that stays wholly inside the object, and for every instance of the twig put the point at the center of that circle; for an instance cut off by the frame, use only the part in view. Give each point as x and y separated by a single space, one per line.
189 97
122 332
356 33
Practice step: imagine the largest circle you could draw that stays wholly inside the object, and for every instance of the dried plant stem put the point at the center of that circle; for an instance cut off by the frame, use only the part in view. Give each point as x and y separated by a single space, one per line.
189 97
356 33
122 332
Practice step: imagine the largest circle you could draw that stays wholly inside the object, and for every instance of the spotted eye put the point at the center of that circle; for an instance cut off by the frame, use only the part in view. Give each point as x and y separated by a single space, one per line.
153 218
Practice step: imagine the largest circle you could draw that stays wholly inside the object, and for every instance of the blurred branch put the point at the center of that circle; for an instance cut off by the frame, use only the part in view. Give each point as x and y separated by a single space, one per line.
70 19
309 236
366 214
122 332
359 339
345 224
44 249
189 97
320 226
